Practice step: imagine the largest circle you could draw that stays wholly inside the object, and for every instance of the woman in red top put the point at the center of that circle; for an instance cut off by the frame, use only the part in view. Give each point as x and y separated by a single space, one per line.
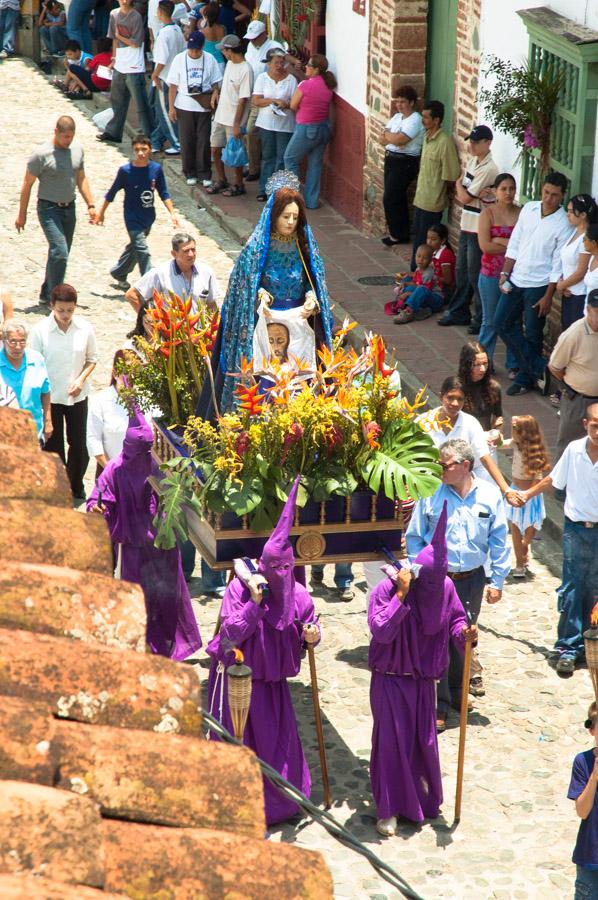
87 81
311 105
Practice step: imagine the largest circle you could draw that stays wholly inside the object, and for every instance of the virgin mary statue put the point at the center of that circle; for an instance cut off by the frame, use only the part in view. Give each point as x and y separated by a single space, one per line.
278 279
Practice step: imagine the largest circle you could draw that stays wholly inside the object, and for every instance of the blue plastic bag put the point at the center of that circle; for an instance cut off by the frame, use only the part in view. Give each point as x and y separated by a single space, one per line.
234 154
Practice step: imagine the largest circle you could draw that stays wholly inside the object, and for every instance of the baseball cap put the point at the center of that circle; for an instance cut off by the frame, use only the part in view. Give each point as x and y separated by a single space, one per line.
255 29
272 52
480 133
592 298
196 40
229 42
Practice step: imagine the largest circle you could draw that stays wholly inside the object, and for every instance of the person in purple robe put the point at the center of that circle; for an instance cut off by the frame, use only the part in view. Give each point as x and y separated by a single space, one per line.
411 616
128 502
270 626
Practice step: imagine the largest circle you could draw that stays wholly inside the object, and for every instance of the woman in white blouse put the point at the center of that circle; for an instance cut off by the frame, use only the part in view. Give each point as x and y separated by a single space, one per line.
581 212
272 93
107 420
590 243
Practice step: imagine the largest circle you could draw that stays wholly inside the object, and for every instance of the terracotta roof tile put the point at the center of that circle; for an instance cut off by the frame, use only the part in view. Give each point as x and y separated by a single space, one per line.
35 532
52 833
27 474
17 428
101 685
27 751
31 887
202 865
69 603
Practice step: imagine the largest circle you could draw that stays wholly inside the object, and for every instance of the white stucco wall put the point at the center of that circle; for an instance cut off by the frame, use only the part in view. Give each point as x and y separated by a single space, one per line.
503 33
347 51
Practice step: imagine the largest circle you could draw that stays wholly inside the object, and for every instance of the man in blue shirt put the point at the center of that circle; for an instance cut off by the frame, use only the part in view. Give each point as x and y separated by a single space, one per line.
139 179
582 789
476 529
24 370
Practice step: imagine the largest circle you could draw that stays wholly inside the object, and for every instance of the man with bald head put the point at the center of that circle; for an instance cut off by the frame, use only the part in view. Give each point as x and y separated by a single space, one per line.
58 166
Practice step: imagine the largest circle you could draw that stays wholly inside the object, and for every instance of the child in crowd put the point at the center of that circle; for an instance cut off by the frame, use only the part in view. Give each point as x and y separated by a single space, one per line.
75 56
52 28
84 80
424 295
444 259
531 462
582 789
406 284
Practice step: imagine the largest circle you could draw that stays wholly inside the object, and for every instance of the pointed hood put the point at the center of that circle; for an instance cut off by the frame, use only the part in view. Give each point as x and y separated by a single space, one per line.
139 437
277 565
428 589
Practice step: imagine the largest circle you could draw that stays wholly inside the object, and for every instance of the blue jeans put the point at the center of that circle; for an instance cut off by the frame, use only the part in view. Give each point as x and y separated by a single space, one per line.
53 38
310 141
586 884
187 549
77 22
85 77
274 145
422 220
527 349
58 225
469 260
135 253
470 592
576 594
343 574
164 129
122 89
422 296
212 581
490 295
8 29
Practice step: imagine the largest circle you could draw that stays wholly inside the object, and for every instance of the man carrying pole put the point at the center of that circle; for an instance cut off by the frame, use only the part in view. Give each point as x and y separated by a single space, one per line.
412 615
270 617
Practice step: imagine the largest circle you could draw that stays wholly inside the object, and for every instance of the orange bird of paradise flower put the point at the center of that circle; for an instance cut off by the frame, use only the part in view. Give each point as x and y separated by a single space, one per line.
251 401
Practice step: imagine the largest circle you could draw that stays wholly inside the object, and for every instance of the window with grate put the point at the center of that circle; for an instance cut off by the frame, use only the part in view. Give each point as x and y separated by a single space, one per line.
557 50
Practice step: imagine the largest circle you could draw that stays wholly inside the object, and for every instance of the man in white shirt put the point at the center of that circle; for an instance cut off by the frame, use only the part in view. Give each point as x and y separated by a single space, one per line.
68 345
255 55
155 23
473 189
532 267
231 113
127 31
577 473
183 275
168 43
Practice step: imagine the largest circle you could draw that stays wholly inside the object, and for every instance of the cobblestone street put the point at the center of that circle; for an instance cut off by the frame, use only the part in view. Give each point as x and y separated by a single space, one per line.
517 828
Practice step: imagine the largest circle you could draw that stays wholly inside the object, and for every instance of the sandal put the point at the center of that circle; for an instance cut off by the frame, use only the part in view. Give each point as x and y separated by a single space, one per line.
217 188
236 190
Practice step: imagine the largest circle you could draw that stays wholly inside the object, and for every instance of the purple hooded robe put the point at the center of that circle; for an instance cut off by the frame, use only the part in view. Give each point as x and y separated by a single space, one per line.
271 638
130 506
409 650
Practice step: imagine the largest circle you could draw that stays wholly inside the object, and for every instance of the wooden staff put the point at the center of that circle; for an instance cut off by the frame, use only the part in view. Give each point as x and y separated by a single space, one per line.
462 728
318 718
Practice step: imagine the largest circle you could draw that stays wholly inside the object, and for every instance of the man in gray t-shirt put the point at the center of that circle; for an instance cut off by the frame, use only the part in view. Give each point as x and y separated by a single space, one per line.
127 31
58 166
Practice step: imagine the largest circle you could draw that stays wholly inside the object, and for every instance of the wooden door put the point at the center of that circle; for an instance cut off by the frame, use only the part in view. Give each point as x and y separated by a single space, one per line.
441 55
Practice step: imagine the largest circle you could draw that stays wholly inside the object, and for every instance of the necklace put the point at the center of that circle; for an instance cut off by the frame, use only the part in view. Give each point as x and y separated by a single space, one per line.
284 238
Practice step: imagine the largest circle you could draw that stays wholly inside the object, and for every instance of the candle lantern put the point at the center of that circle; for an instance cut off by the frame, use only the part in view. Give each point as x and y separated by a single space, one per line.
590 639
239 693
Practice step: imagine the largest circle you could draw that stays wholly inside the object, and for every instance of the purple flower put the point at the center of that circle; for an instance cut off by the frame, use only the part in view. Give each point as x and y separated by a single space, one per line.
529 137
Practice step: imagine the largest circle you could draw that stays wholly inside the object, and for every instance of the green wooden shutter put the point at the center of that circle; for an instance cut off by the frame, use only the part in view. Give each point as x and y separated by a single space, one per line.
441 55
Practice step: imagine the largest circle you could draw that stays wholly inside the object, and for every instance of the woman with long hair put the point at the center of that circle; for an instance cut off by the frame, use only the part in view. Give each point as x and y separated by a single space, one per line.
483 398
581 212
311 105
278 277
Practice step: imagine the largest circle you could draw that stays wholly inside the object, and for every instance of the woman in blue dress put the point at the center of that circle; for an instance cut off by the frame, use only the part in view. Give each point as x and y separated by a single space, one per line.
279 275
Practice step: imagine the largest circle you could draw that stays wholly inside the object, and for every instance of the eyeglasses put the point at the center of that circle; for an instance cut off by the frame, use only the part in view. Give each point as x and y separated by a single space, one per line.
447 465
15 342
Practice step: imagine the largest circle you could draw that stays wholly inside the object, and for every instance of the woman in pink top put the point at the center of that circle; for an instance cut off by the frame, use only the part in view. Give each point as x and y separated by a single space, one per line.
311 105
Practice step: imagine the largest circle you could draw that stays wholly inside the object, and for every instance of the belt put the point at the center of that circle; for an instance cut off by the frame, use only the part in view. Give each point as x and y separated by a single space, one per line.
583 524
56 203
575 393
403 156
459 576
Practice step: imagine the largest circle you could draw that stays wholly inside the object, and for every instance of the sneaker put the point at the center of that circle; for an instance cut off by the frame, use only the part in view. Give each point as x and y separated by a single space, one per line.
424 313
476 686
519 572
517 389
3 54
565 667
207 182
191 181
387 827
156 149
345 594
404 317
121 285
172 151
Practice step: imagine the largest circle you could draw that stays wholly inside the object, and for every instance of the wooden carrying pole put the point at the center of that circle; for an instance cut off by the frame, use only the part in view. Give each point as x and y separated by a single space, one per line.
318 718
462 729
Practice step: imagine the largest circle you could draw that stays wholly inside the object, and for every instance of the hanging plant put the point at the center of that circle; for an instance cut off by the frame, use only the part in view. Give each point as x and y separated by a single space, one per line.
527 112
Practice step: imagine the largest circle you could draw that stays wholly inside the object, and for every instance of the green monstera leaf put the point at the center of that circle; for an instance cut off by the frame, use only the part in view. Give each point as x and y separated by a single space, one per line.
406 464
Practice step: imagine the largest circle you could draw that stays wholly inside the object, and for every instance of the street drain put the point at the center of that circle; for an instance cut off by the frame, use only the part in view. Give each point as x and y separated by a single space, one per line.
377 279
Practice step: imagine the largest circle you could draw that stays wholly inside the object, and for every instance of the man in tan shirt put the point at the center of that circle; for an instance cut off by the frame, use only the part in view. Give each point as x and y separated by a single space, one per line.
574 361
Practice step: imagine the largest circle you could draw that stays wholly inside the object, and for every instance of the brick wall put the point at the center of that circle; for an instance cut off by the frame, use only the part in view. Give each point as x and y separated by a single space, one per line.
397 55
342 175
